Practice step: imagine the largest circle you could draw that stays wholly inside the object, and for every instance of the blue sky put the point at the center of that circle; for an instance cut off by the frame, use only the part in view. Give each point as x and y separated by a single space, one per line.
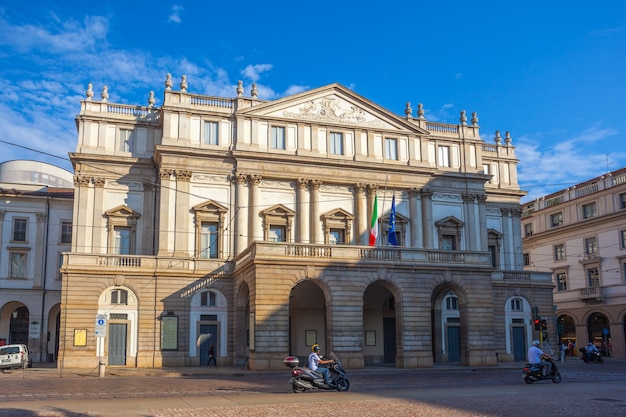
550 72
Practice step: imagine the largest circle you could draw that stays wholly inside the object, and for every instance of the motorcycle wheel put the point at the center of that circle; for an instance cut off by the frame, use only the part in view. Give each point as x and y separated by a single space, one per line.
529 379
557 378
343 385
297 388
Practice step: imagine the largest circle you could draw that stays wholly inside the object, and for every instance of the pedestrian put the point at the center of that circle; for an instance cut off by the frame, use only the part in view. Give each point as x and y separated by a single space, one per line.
562 350
212 355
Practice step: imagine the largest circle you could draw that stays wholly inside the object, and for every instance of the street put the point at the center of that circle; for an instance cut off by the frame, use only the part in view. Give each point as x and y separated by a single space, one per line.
586 389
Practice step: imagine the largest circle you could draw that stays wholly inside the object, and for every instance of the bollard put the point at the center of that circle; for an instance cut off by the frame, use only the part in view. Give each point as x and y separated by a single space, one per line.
101 369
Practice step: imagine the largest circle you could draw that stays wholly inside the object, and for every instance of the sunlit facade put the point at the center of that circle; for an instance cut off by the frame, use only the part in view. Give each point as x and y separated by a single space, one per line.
246 223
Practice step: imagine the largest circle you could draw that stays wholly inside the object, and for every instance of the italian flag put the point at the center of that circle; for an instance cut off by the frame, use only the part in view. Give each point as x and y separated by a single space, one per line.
374 225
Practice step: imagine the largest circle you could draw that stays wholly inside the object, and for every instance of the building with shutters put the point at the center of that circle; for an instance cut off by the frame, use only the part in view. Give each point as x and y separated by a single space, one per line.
246 223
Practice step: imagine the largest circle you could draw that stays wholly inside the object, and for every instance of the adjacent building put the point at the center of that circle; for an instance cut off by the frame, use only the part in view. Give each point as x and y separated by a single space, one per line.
36 228
247 223
579 236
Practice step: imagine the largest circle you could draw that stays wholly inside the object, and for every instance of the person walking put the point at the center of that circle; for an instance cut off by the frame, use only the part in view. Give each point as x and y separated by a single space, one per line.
562 351
212 355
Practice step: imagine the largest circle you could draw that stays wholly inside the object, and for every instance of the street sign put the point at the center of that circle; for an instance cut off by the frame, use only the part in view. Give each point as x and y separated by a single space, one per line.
605 331
101 325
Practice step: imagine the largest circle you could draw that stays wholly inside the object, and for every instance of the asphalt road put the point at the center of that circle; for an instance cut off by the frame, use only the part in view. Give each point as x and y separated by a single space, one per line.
586 390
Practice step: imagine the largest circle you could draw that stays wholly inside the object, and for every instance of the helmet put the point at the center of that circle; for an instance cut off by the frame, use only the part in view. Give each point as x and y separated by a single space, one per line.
536 342
315 348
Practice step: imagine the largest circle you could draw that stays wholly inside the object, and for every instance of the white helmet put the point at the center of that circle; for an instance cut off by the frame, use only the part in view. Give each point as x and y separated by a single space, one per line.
536 342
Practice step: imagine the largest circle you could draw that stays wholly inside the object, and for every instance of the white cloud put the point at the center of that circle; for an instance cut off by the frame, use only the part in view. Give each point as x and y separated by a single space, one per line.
175 15
253 72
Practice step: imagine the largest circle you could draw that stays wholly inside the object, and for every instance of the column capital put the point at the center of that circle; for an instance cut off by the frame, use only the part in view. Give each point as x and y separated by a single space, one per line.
414 192
99 182
165 174
41 217
315 184
183 175
255 179
302 183
81 181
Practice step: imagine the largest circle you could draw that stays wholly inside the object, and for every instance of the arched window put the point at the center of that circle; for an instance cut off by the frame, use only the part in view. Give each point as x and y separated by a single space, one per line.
119 296
208 298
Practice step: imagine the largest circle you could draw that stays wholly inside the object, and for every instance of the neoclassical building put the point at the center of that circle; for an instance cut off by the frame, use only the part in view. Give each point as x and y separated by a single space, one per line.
578 235
36 228
246 223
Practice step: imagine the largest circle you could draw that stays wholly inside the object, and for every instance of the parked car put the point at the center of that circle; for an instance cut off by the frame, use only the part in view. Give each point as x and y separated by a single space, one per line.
15 356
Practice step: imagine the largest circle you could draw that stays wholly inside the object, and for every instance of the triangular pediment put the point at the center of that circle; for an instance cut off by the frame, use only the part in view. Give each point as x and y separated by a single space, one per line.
338 214
449 221
210 206
333 104
122 211
278 210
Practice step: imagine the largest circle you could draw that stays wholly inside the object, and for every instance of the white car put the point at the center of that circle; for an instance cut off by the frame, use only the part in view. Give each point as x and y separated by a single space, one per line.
14 356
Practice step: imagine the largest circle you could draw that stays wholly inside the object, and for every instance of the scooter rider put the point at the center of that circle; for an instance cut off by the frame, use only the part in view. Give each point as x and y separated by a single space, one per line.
315 361
536 356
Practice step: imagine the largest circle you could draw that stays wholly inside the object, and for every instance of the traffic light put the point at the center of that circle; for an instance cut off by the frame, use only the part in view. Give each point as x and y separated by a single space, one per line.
537 324
544 324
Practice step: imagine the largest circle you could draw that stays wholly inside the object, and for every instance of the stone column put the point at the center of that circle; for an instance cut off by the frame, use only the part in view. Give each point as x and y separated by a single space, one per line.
82 232
316 227
482 214
302 211
255 228
616 331
147 221
516 227
361 214
471 240
506 238
181 228
415 222
166 213
427 218
100 243
241 214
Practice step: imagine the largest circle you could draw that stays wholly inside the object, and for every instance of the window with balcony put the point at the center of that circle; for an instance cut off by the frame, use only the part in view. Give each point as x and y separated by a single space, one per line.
209 227
66 232
20 229
449 230
125 140
119 296
208 299
337 227
528 229
278 137
121 236
591 246
593 278
561 281
402 224
17 263
391 149
337 237
211 133
559 252
277 234
443 153
556 219
336 143
122 228
590 210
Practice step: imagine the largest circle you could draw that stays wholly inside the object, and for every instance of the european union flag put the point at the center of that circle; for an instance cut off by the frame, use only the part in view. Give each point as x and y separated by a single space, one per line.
392 239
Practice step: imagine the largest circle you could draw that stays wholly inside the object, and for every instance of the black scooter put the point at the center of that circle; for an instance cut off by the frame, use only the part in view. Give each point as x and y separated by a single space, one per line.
532 373
304 379
594 357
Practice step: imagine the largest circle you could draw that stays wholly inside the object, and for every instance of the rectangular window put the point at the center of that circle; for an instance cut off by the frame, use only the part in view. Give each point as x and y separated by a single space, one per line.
337 237
391 149
278 137
336 143
561 281
444 156
122 241
593 279
20 226
622 239
591 246
59 274
18 264
559 252
211 131
448 242
528 229
526 259
277 234
208 240
556 219
66 232
486 169
126 140
622 201
590 210
207 298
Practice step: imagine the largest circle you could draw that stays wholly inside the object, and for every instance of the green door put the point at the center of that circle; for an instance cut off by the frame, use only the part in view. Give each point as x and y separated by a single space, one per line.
117 344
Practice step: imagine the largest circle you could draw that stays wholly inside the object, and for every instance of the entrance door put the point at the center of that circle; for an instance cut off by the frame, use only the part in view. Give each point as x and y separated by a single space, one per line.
454 343
208 335
117 344
389 340
519 343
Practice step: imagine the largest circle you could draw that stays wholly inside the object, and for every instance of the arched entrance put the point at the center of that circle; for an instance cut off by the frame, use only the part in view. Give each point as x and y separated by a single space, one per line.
566 329
18 326
598 331
307 320
379 324
449 327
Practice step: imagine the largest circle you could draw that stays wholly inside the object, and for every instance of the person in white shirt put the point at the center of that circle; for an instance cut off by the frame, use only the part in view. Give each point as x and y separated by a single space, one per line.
315 361
536 356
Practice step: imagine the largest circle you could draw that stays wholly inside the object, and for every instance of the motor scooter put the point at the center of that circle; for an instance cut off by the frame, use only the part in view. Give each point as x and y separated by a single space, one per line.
532 373
304 379
594 357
